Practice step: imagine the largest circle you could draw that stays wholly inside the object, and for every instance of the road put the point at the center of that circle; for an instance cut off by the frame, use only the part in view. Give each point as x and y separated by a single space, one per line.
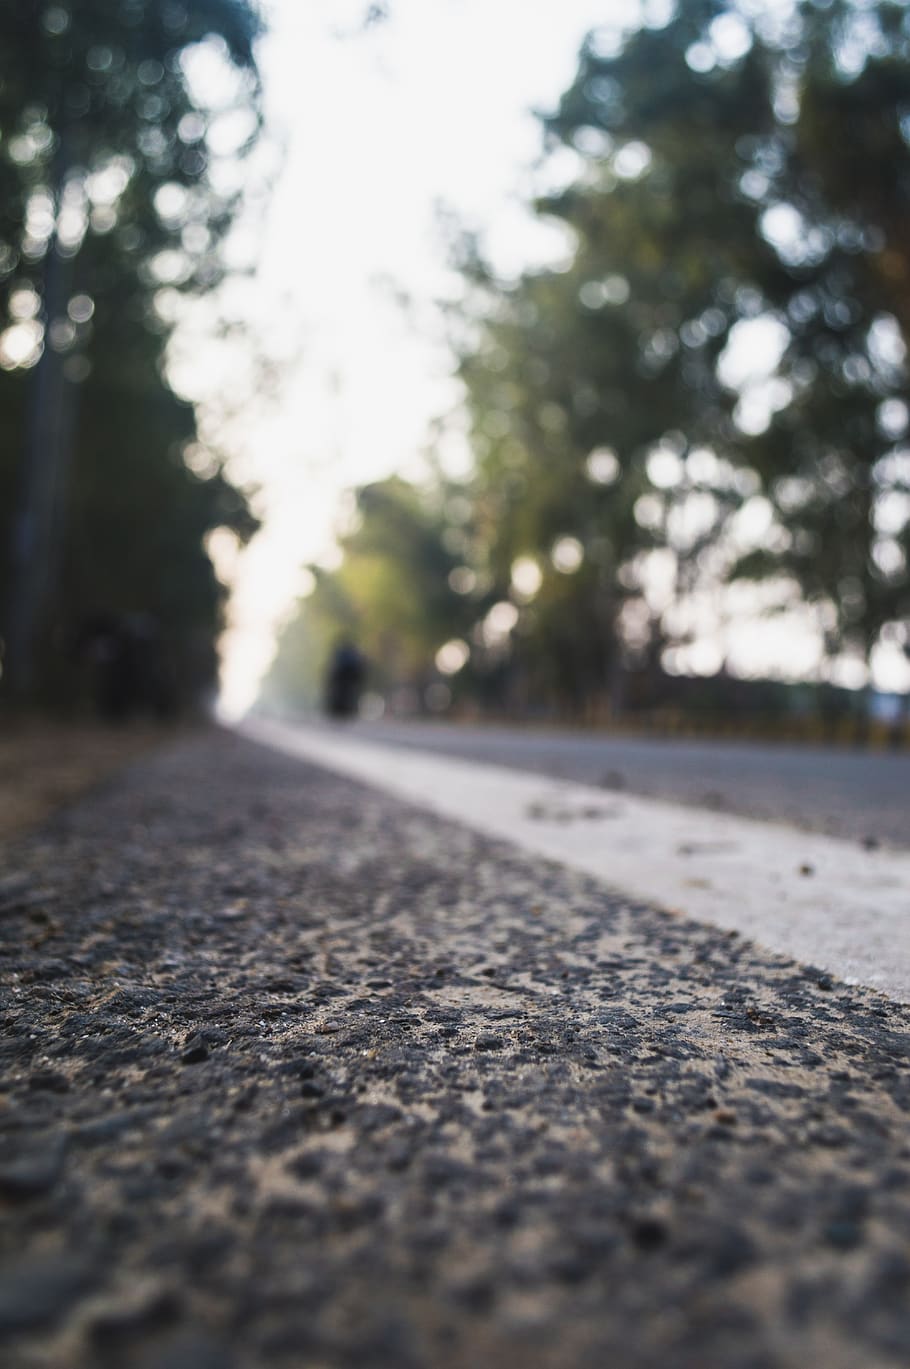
296 1074
844 793
824 900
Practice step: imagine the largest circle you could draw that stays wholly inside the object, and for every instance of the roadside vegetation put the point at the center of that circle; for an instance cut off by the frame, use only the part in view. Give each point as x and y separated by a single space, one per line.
122 130
693 428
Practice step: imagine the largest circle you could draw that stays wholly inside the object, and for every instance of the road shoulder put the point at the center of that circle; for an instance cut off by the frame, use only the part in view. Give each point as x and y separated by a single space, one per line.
819 899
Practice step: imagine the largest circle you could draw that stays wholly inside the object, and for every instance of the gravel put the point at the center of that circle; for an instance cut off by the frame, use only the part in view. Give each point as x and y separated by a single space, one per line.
294 1074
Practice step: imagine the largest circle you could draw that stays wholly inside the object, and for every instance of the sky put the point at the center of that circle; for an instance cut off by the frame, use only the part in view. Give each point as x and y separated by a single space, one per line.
385 131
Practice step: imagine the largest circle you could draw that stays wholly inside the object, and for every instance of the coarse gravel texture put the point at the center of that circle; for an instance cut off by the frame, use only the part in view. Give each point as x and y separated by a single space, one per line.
295 1075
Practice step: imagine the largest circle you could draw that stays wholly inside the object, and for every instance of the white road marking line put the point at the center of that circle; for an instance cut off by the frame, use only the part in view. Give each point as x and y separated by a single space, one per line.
821 900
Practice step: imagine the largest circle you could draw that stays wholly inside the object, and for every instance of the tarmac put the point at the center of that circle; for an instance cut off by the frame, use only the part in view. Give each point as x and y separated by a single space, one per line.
296 1073
841 903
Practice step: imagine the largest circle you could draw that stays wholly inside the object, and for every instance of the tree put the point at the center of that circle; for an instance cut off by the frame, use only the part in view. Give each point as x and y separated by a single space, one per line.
396 594
604 375
711 193
835 206
107 203
740 187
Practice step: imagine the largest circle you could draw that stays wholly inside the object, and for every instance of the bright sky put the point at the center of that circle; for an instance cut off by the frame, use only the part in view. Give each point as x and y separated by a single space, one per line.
382 128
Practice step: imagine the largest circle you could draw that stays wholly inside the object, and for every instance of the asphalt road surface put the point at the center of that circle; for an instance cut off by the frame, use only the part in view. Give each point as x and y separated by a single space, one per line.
852 794
824 900
294 1074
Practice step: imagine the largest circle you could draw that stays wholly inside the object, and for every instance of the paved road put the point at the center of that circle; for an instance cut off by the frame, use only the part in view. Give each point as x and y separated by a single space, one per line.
845 793
820 899
294 1074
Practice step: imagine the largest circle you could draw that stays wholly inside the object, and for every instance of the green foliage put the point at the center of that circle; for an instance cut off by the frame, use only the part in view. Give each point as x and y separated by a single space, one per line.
733 166
108 204
393 595
691 161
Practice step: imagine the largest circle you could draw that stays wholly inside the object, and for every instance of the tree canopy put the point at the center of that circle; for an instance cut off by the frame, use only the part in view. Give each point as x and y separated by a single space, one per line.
710 392
122 127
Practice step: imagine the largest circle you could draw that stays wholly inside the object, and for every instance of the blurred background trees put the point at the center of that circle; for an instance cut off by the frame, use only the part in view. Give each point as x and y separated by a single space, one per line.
398 537
703 410
115 204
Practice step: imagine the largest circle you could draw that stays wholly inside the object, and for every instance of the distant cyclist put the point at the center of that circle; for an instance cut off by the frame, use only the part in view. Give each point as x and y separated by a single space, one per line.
346 674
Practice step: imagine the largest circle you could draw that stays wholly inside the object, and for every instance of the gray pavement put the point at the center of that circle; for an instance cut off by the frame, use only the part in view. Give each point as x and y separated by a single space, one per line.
298 1075
825 900
861 795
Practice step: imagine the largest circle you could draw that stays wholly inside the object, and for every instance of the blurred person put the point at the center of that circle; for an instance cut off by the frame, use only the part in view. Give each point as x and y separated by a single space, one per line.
126 658
344 681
